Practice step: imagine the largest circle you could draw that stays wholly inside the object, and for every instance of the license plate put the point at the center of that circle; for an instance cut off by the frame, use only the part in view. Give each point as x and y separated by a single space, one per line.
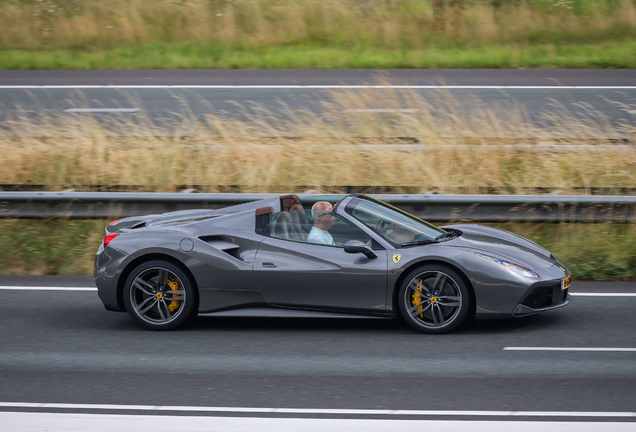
565 282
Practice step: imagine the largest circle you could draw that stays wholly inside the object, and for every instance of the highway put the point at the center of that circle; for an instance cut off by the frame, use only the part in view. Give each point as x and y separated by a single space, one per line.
59 346
67 363
604 95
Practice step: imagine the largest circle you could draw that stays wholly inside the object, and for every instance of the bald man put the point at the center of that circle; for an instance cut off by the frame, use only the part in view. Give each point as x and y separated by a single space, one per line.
323 220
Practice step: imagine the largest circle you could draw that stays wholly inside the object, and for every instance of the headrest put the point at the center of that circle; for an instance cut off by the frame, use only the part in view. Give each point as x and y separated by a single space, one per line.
287 201
297 207
264 210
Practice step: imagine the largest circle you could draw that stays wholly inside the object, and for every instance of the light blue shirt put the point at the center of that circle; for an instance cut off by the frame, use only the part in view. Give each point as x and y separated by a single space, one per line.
316 235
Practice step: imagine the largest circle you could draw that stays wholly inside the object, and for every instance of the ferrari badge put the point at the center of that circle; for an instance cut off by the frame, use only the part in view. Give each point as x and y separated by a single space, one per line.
396 258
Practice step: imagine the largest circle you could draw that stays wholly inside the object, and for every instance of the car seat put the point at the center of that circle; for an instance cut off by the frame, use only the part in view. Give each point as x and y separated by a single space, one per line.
300 221
284 227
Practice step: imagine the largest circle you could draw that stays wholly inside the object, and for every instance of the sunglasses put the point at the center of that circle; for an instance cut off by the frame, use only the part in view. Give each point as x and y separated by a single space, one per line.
328 213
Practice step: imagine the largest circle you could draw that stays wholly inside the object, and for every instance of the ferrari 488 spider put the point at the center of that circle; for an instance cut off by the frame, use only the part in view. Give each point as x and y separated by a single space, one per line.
370 259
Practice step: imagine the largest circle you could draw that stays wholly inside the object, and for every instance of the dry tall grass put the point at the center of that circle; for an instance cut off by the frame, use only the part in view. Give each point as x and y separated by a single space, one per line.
467 146
407 24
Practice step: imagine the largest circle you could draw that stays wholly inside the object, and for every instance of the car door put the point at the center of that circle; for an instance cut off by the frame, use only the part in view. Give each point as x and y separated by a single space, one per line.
297 274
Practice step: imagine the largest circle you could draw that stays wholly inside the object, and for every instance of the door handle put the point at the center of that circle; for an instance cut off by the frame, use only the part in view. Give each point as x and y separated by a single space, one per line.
269 264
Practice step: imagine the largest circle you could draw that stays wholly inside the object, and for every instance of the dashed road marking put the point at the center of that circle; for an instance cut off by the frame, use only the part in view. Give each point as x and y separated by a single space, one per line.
101 110
383 110
578 349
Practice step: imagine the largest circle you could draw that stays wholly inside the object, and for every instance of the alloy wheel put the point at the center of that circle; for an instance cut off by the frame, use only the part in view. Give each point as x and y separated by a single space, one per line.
433 300
157 296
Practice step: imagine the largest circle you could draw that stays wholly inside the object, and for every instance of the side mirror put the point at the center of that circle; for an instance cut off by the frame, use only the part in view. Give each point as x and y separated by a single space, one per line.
356 246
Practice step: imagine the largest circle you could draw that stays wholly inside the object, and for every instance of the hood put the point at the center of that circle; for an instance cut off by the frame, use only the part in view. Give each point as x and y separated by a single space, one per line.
502 243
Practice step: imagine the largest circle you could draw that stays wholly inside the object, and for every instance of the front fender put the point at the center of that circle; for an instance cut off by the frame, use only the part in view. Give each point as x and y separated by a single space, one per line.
412 258
497 290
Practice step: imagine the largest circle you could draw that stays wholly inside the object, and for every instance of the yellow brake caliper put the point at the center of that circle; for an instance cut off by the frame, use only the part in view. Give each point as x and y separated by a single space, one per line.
174 304
416 298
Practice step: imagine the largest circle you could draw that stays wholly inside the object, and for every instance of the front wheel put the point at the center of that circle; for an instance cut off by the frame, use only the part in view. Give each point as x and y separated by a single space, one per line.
159 296
434 299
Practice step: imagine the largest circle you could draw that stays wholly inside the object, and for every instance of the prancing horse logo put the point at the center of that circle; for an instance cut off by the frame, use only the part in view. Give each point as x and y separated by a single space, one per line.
396 258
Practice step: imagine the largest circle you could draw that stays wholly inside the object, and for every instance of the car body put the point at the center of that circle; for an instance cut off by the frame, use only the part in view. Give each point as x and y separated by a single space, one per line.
164 269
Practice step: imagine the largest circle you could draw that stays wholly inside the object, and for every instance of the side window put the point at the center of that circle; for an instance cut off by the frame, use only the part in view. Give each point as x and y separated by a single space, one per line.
343 231
290 225
297 225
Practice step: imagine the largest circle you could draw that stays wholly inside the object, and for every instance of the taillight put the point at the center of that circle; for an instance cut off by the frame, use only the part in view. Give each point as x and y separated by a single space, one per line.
114 222
109 238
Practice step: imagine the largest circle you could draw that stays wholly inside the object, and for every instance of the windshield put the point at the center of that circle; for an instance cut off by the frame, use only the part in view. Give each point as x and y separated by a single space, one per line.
393 224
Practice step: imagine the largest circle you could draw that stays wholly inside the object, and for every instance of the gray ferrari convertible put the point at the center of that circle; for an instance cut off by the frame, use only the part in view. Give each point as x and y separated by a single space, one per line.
352 255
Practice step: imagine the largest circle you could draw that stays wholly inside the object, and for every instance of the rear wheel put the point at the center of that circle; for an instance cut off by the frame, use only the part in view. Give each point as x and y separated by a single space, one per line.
434 299
159 296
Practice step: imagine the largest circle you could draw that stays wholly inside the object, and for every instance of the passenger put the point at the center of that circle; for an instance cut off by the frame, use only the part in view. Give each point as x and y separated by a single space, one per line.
323 220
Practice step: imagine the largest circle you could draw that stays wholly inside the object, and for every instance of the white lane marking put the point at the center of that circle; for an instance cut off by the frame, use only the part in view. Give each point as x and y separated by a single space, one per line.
569 349
535 147
383 110
62 288
101 110
317 410
44 288
54 422
431 87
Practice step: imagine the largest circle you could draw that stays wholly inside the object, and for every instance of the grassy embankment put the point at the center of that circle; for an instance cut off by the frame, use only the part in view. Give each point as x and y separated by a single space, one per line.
76 151
94 34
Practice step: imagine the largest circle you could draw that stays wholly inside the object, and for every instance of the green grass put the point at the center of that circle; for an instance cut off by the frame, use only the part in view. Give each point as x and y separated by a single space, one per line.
187 56
87 34
49 247
66 247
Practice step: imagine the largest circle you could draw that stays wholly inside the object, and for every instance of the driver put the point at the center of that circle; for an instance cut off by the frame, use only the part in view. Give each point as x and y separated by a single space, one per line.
323 220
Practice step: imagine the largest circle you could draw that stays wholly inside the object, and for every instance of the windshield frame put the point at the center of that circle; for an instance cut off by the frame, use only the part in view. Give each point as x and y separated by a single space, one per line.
356 199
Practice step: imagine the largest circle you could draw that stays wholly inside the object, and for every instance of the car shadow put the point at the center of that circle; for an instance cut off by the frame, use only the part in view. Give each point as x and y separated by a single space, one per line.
295 324
286 324
121 322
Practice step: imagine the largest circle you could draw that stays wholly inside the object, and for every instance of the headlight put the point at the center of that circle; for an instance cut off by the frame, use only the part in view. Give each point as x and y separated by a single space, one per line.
514 268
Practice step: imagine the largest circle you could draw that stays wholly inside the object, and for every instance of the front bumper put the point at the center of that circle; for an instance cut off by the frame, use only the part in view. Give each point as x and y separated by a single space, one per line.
542 297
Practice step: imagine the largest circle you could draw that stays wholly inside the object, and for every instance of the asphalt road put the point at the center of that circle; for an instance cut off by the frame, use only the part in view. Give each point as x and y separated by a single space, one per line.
305 77
605 95
63 347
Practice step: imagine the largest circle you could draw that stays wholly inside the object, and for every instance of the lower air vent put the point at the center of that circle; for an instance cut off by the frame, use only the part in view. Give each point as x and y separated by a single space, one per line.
539 297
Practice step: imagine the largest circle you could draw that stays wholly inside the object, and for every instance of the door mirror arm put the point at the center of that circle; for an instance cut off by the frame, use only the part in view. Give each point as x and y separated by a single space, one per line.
356 246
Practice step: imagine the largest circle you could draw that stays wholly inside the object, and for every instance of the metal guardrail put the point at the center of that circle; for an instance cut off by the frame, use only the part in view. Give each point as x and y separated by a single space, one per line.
432 207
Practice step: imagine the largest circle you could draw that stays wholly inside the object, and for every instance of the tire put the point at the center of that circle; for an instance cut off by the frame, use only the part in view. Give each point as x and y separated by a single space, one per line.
158 295
434 299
